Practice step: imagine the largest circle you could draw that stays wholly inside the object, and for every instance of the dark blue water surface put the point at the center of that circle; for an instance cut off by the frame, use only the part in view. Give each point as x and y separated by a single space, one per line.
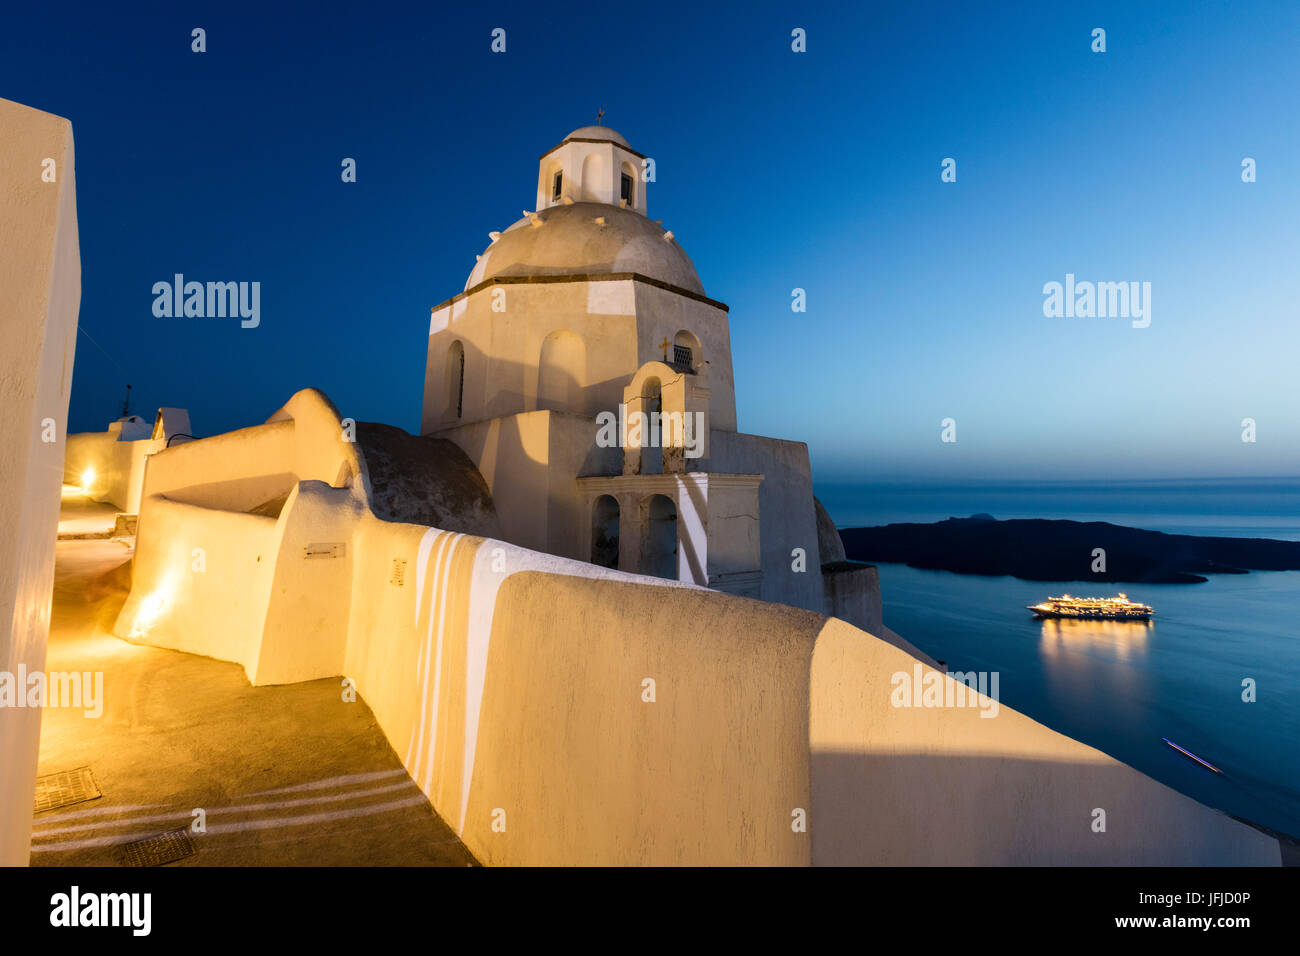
1121 687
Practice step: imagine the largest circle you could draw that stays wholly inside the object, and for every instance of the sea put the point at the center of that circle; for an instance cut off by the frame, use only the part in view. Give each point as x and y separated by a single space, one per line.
1119 686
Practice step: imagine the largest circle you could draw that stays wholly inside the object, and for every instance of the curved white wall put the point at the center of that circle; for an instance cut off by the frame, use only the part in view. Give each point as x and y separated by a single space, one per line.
513 685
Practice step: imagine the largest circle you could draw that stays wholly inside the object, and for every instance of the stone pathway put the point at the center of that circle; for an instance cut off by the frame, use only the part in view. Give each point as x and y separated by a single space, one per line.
288 775
79 517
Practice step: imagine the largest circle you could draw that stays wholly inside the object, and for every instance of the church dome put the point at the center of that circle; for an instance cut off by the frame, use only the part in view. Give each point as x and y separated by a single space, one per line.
586 238
602 133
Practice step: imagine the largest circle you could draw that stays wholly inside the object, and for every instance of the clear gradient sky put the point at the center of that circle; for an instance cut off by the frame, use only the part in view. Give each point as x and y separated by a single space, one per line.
775 170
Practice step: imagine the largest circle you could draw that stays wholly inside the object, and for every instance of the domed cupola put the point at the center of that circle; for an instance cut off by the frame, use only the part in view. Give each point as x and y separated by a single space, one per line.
590 220
587 239
592 164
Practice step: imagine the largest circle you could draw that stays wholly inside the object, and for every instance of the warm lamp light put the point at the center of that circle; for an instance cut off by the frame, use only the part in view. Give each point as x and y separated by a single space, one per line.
150 609
87 479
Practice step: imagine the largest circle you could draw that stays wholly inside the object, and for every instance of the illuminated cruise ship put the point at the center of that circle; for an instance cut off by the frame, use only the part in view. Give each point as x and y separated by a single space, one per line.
1112 609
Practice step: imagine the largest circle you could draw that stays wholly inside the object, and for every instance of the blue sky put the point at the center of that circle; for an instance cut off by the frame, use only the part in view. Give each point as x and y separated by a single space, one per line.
775 170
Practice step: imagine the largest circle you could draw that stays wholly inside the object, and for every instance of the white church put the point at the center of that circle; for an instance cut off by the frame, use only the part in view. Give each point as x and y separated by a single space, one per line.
587 311
470 585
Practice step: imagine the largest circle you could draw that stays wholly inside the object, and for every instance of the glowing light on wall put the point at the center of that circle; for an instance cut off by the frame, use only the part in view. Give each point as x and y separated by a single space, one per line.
151 609
87 479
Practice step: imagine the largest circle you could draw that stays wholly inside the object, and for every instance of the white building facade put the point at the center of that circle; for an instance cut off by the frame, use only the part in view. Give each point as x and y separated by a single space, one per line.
586 312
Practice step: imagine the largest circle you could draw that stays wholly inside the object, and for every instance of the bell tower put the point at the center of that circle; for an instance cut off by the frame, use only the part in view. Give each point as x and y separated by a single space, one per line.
592 164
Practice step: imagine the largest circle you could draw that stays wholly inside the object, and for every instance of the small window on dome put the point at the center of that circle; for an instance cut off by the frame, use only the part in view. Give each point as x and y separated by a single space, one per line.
627 194
558 187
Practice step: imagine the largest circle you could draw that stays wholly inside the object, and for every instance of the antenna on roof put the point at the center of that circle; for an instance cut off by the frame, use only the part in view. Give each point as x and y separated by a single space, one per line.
126 405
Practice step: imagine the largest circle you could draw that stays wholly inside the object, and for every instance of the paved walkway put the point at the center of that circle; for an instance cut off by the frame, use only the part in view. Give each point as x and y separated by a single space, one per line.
81 517
287 775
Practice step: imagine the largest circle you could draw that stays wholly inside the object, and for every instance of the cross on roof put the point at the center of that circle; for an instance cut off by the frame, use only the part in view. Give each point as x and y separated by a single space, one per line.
664 345
599 114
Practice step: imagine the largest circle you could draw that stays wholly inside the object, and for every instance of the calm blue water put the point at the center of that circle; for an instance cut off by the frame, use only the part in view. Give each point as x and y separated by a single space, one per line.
1120 687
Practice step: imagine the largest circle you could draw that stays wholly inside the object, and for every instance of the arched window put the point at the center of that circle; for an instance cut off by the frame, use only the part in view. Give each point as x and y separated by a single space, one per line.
562 373
627 186
604 532
652 404
455 379
687 352
659 548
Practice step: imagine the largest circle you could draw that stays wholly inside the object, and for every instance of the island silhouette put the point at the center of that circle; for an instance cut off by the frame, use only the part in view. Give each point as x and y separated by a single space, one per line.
1038 549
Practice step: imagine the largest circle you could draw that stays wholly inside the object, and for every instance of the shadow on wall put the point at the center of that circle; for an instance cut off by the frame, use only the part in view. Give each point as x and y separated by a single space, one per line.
569 371
922 809
530 461
960 787
609 721
562 369
455 387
